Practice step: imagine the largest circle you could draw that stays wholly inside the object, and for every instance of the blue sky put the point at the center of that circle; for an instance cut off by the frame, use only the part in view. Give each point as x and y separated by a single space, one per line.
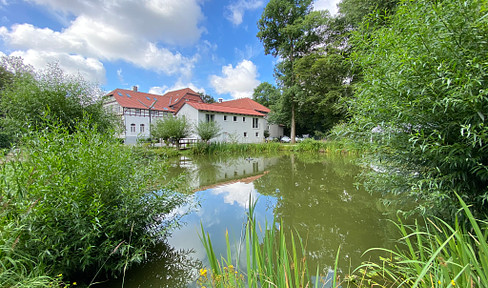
157 45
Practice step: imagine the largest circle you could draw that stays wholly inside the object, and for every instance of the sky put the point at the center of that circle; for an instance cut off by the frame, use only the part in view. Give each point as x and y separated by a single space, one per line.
156 45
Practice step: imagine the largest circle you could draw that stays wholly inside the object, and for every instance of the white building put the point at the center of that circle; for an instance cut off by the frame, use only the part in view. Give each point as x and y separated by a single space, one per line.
138 110
242 120
236 124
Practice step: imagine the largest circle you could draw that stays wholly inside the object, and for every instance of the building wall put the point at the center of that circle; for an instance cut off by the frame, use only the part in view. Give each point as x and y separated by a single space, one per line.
238 130
132 135
276 131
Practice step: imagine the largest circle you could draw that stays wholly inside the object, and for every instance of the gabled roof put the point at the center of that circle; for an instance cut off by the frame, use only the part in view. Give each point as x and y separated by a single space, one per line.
169 102
223 109
245 103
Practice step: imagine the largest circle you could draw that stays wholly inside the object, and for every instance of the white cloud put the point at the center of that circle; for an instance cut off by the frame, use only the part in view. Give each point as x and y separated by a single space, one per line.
235 11
132 31
158 90
236 193
239 81
91 69
121 77
154 20
161 90
330 5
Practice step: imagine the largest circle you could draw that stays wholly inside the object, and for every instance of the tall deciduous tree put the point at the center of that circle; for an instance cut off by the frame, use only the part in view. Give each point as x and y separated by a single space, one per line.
287 29
266 94
424 94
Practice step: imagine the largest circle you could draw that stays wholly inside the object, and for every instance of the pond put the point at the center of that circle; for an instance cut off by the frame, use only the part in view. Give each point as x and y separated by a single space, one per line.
315 195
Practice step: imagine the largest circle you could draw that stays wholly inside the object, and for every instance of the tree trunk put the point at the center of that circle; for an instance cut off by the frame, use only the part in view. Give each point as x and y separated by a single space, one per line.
292 133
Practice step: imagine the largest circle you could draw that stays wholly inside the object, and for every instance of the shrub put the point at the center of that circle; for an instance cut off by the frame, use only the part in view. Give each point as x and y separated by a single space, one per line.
207 130
81 202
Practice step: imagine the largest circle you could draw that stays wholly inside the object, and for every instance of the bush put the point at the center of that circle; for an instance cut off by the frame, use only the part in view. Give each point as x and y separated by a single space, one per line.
80 202
32 99
207 130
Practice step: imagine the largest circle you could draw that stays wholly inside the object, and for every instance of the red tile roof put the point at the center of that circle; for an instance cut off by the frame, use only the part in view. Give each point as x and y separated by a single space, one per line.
245 103
170 101
223 109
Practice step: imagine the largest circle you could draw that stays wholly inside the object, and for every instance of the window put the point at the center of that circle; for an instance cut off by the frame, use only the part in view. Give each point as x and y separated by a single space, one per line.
255 122
235 118
225 117
257 134
209 117
243 119
141 128
132 127
245 134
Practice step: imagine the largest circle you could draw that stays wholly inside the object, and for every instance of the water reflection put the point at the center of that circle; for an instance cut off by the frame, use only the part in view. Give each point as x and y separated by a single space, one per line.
166 267
314 195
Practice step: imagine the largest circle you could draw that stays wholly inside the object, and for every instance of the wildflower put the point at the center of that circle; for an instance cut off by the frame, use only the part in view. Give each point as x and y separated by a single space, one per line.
203 272
60 275
74 283
439 282
231 267
453 283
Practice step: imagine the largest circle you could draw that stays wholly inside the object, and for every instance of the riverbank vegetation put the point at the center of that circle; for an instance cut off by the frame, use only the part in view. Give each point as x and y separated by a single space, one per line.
75 203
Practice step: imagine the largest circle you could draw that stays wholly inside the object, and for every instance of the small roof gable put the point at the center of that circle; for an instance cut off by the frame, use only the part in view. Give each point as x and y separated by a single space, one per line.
245 103
223 109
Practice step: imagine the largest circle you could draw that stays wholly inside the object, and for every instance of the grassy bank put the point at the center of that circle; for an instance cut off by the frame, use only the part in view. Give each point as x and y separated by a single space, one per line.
219 148
435 254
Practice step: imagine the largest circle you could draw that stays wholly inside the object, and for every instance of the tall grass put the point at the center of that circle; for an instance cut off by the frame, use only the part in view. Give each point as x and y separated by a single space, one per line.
271 261
439 255
234 148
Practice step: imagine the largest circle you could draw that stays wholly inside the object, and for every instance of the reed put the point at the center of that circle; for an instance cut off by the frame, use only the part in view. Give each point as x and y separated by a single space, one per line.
274 258
234 148
439 255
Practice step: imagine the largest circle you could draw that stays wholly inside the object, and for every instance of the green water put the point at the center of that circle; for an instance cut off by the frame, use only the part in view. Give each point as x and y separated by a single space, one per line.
316 195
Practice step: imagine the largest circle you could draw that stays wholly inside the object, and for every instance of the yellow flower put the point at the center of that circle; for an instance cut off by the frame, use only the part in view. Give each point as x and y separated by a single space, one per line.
74 283
439 282
231 267
60 275
453 283
203 272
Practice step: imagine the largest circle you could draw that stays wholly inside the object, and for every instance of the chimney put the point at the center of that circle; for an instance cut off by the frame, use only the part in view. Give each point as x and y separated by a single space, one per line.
134 88
220 100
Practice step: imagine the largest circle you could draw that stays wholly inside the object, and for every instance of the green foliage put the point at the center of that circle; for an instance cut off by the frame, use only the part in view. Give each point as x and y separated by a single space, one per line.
206 98
234 148
79 201
266 94
207 130
174 128
436 255
32 98
355 11
322 76
424 90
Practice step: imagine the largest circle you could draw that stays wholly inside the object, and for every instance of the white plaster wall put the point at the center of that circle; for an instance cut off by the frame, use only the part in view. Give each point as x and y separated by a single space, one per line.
191 115
131 137
233 131
230 130
276 131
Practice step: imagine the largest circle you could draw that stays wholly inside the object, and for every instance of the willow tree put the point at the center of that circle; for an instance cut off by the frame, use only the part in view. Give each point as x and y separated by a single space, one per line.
424 94
288 30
